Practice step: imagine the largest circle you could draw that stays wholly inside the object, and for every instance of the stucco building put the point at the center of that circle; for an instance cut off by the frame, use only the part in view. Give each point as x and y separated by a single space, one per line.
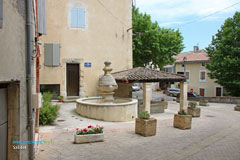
18 78
81 35
193 63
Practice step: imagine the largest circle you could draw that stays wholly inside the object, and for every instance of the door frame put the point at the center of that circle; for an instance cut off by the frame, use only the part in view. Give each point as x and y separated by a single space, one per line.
63 85
215 91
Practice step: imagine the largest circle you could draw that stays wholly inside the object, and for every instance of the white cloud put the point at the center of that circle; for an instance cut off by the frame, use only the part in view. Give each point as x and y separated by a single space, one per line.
178 11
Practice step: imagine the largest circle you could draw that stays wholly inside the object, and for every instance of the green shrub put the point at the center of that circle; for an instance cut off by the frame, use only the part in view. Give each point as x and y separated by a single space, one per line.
182 112
48 113
238 105
144 115
47 97
192 104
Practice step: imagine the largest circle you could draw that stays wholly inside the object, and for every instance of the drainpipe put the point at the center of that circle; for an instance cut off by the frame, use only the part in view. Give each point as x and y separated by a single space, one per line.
29 77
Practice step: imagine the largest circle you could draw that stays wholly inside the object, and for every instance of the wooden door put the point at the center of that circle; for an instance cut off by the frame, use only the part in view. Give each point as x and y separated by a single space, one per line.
218 91
3 123
201 92
72 79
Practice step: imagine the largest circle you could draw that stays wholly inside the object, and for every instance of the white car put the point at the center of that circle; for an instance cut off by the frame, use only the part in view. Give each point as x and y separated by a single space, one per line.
135 87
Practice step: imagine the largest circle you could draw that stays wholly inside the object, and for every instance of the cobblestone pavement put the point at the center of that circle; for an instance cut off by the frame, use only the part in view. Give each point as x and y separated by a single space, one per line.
214 136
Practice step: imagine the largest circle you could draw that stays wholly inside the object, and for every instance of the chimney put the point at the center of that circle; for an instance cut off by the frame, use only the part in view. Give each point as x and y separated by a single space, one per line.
195 49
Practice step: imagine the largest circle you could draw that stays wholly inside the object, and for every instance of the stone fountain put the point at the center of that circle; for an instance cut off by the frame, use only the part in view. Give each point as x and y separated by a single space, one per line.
107 107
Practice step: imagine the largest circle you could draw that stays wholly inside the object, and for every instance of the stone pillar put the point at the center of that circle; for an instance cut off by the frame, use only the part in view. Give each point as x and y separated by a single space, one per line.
147 96
183 96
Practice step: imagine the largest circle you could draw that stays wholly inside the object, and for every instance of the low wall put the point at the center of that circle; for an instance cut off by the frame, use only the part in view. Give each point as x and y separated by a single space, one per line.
231 100
156 106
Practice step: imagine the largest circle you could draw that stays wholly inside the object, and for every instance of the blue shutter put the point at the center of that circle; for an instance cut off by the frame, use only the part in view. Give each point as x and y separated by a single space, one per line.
81 17
74 17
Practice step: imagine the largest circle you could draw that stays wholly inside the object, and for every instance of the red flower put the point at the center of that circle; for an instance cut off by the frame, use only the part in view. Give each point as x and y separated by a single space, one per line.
77 129
96 130
90 126
85 130
127 81
163 99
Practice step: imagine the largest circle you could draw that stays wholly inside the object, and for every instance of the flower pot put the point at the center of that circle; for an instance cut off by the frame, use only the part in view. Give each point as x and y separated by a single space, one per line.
146 127
194 111
182 121
237 108
203 104
60 99
88 138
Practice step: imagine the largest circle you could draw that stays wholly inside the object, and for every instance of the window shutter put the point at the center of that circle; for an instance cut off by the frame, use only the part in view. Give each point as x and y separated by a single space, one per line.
74 17
51 54
81 17
48 58
42 17
56 54
1 13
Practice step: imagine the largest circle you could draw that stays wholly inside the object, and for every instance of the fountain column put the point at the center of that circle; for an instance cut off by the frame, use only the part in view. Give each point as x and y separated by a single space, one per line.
107 83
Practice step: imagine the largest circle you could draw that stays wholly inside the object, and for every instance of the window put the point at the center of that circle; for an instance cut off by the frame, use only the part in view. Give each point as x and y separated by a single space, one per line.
1 13
51 54
180 73
202 76
78 18
188 75
202 92
218 91
182 65
52 88
203 64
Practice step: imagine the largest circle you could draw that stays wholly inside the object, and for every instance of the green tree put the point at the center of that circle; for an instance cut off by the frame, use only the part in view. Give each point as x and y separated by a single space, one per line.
224 53
152 43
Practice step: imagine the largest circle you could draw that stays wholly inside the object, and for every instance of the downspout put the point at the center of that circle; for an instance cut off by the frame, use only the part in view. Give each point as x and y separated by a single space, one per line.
29 77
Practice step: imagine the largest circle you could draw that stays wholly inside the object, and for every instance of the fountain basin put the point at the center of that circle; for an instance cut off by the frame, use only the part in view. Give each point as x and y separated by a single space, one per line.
120 110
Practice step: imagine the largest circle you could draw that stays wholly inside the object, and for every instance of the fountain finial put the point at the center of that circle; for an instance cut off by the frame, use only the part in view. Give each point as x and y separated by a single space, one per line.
107 83
107 69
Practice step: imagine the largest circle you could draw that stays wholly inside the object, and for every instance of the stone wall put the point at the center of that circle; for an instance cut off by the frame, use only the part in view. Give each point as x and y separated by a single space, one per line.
231 100
124 90
156 106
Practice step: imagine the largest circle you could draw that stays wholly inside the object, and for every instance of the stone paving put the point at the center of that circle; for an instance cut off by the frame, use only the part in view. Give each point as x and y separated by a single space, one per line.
214 136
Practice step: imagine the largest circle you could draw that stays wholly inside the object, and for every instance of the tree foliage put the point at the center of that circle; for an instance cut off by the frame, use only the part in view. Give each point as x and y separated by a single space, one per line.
152 43
224 53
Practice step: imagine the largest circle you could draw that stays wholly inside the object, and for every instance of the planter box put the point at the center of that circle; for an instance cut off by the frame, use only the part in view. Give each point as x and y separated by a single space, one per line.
237 108
203 104
146 127
88 138
195 112
182 121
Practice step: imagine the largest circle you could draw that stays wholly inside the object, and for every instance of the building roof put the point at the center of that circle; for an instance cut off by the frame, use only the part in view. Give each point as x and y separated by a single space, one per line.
141 74
193 56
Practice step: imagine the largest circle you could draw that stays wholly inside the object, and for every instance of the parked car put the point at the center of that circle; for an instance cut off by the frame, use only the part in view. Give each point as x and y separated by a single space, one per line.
173 92
194 94
135 87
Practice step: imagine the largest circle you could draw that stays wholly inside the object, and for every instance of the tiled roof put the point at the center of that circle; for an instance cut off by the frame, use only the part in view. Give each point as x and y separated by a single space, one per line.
141 74
192 56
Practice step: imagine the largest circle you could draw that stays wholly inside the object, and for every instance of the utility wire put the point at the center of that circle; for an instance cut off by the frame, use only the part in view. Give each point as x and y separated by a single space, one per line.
208 15
100 2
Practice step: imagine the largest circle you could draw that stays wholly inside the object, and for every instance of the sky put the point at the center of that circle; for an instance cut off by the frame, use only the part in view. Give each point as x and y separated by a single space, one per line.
189 17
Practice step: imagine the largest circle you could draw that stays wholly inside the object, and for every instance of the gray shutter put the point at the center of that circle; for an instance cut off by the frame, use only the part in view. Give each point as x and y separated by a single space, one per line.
1 13
51 54
56 54
42 17
48 50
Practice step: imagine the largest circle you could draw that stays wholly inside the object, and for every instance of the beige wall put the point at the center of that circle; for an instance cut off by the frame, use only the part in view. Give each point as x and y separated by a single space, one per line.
105 37
195 82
